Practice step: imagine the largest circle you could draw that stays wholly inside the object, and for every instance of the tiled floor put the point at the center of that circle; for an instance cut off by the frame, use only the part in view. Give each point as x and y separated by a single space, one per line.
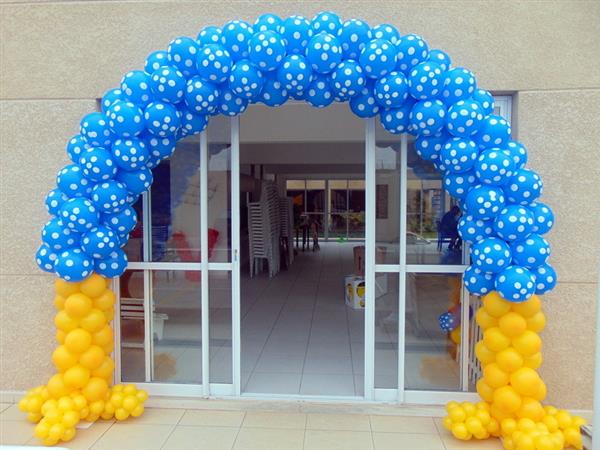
180 429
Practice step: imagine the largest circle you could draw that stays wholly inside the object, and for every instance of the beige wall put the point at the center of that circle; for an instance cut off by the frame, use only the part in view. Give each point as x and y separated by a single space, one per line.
58 57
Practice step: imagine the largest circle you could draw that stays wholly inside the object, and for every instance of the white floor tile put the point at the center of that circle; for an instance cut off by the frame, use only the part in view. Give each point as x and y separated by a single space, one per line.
327 384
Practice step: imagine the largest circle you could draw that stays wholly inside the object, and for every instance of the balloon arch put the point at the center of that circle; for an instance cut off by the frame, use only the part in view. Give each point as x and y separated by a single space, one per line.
413 89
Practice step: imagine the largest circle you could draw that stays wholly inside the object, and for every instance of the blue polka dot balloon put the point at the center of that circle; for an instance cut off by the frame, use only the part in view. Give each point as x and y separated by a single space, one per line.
485 99
97 164
494 166
491 254
109 196
182 53
543 217
484 202
477 281
99 242
267 22
465 118
473 230
79 214
123 222
168 84
440 57
411 50
159 147
294 73
201 97
514 223
515 284
396 120
391 91
162 119
518 152
130 154
58 236
273 93
353 36
323 52
378 58
297 31
73 265
426 80
245 80
235 36
347 79
110 97
45 258
447 321
458 184
192 123
460 84
54 201
387 32
326 21
232 105
125 119
524 187
72 182
112 266
545 278
209 35
137 182
531 252
94 128
76 146
155 60
494 132
429 147
319 93
427 117
364 104
266 50
459 154
135 86
214 63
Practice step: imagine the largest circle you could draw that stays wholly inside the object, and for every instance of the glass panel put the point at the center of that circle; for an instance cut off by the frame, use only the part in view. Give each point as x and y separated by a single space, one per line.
177 326
338 196
175 197
387 200
315 225
315 195
386 330
134 249
219 190
296 185
431 216
337 225
431 361
219 283
133 367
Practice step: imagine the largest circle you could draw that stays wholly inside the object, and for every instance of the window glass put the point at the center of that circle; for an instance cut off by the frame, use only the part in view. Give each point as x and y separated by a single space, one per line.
221 353
386 330
134 249
132 326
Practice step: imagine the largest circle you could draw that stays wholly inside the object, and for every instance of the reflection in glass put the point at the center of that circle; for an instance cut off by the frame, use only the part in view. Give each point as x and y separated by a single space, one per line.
431 357
220 327
386 330
134 249
132 326
337 225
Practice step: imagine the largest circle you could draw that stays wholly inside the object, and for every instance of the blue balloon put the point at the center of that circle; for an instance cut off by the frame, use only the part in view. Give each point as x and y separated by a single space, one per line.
159 148
135 86
494 132
209 35
97 164
245 80
168 84
296 31
294 73
459 154
458 184
232 105
478 282
378 58
391 91
387 32
182 53
448 321
440 57
73 265
465 118
364 104
130 154
426 80
122 222
155 60
494 166
99 242
137 182
58 236
110 97
485 99
319 93
235 36
201 97
429 147
518 152
396 120
515 284
72 182
347 79
125 119
112 266
460 84
266 50
76 146
427 117
79 214
323 52
491 255
524 187
214 63
531 252
545 278
94 128
411 50
353 36
267 22
484 202
473 230
273 92
109 196
54 201
191 123
514 223
162 119
45 258
543 217
326 21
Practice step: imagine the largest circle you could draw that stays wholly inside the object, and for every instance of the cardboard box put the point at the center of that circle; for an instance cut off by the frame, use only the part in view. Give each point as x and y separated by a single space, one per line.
354 289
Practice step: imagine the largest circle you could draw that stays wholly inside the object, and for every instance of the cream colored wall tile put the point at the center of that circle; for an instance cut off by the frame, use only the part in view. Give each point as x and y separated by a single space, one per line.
337 440
269 439
349 422
213 418
402 424
15 433
258 419
193 438
394 441
132 436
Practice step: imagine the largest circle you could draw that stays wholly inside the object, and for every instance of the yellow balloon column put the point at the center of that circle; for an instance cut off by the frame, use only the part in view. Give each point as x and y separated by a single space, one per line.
80 390
511 389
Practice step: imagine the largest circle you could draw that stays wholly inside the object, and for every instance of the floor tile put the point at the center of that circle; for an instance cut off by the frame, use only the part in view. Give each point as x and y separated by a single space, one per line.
13 413
132 436
327 384
275 363
342 422
159 416
4 406
16 433
395 441
201 438
455 444
269 439
403 424
337 440
213 418
274 383
259 419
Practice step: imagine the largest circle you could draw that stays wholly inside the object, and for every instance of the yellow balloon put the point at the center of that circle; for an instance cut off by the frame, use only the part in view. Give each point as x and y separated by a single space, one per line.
526 381
68 434
544 442
78 305
484 320
94 321
105 301
512 324
495 305
525 442
60 336
138 411
121 414
494 376
537 322
66 404
528 343
457 415
484 354
78 340
56 386
473 425
63 359
564 419
65 322
92 358
41 430
509 360
105 370
529 307
534 361
103 337
455 335
93 286
459 431
506 399
541 392
65 288
508 426
551 423
95 389
484 390
531 409
77 376
447 422
59 302
495 340
70 419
